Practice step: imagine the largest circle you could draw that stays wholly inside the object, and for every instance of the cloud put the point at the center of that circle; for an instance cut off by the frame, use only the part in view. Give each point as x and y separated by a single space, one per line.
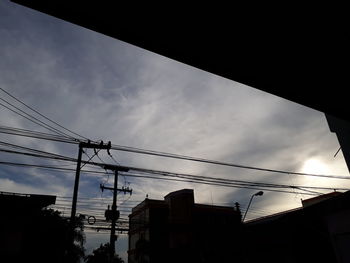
106 89
8 185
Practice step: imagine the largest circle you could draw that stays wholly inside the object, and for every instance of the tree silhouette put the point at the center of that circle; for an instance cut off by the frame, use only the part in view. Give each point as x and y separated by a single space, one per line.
75 250
102 254
57 232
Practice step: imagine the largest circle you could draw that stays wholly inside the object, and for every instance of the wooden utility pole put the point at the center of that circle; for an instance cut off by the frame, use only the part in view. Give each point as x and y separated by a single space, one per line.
113 214
76 185
82 145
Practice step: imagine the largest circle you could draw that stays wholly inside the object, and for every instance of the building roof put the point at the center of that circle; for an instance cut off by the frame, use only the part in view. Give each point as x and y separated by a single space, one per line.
151 203
327 202
148 203
19 201
320 198
179 193
269 218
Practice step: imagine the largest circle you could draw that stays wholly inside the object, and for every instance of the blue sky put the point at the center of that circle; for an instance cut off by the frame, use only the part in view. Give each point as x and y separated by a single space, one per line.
106 89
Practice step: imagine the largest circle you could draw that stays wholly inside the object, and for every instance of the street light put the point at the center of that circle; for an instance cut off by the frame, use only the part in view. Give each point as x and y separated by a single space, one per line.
256 194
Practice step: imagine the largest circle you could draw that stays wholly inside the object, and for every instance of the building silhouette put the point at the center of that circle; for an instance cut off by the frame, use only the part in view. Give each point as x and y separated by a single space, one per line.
25 233
342 130
319 231
177 229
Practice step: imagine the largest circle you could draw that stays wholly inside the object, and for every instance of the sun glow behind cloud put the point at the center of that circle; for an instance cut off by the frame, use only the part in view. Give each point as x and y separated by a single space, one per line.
315 166
319 166
135 98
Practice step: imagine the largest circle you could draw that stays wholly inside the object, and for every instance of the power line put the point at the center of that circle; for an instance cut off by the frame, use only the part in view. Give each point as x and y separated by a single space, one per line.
10 145
115 161
167 179
31 117
36 122
183 176
206 180
38 155
90 158
196 179
219 184
35 134
201 160
240 182
45 156
184 157
42 115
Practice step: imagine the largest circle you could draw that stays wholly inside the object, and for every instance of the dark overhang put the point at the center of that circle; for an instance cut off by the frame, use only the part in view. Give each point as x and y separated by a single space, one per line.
299 53
25 202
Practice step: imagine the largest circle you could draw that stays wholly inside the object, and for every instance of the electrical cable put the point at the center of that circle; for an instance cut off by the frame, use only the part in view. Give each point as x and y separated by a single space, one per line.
42 115
38 123
183 157
30 117
185 176
116 162
35 134
205 180
90 158
201 160
15 146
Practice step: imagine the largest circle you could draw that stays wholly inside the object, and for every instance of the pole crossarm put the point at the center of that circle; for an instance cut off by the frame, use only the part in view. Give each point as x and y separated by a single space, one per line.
94 145
123 189
116 168
107 228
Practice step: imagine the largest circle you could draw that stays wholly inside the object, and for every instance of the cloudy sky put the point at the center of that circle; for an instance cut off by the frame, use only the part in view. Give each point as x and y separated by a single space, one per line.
106 89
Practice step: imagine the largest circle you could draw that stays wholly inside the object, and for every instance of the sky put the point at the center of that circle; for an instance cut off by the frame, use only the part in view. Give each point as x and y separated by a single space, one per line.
106 89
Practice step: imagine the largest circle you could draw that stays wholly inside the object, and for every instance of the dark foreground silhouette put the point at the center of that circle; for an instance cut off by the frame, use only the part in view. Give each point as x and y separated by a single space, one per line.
102 255
31 233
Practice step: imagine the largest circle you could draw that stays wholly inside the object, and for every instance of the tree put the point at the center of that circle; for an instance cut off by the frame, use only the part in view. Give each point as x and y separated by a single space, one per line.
101 255
61 235
75 251
48 238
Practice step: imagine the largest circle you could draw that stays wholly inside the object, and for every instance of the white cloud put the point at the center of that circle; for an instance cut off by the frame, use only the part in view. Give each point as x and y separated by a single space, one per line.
105 89
8 185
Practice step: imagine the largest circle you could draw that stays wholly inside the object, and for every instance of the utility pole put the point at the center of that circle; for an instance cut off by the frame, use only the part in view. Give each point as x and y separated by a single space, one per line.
76 185
82 145
114 214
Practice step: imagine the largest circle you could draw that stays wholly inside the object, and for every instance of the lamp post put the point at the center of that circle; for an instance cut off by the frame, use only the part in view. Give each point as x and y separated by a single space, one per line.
256 194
